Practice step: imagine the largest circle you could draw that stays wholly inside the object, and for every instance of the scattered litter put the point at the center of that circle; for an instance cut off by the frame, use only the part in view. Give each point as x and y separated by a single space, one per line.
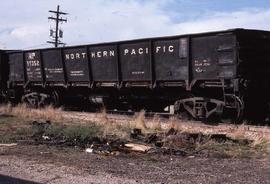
8 145
172 131
39 128
102 150
138 147
159 144
136 133
151 138
89 150
45 137
105 149
43 153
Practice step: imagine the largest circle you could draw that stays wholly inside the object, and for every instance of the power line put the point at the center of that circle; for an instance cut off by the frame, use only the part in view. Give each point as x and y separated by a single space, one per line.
56 33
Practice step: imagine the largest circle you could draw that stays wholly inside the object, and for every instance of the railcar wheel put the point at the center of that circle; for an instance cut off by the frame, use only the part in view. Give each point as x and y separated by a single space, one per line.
31 100
35 100
234 112
179 109
55 99
200 108
239 110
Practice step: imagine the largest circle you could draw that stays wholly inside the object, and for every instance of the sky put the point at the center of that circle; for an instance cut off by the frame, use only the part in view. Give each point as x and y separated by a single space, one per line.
24 23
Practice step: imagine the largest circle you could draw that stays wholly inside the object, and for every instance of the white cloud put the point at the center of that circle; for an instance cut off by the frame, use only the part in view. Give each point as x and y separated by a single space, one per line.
104 21
25 33
117 20
249 19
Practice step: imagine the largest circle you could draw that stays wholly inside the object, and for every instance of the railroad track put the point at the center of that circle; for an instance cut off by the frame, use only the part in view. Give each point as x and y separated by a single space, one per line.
146 114
166 121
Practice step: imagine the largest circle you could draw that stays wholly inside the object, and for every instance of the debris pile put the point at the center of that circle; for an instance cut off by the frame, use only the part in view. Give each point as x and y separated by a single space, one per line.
171 142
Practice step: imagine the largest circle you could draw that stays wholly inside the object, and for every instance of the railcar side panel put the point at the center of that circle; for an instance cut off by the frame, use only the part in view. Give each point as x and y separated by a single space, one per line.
104 63
171 59
254 50
16 68
135 61
227 56
213 57
4 68
76 63
33 66
53 66
204 57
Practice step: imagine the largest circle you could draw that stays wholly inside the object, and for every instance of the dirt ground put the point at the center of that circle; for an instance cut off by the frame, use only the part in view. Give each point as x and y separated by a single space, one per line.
55 165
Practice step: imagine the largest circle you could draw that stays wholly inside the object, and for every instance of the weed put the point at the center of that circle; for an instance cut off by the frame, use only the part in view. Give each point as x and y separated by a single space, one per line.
140 120
155 123
21 110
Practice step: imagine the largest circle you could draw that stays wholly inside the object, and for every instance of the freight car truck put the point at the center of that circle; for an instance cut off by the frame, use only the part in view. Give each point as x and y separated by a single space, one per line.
223 73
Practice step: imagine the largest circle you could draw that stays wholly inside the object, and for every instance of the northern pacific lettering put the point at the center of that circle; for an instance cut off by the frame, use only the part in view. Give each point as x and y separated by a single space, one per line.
161 49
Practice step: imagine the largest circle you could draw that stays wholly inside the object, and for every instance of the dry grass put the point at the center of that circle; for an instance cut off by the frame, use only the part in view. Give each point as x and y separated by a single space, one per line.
116 130
155 123
139 120
121 128
104 118
175 123
21 110
257 134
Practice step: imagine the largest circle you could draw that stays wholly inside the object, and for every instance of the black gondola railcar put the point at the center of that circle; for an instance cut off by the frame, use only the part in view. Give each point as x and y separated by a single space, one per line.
205 75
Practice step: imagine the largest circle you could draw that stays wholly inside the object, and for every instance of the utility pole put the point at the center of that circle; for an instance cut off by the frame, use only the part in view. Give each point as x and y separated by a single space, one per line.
56 33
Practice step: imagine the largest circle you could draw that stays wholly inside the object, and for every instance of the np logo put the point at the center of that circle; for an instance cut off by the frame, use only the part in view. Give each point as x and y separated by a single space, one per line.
31 55
32 61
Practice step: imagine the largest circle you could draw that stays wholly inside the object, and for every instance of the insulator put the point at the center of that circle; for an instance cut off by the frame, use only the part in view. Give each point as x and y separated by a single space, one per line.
61 33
